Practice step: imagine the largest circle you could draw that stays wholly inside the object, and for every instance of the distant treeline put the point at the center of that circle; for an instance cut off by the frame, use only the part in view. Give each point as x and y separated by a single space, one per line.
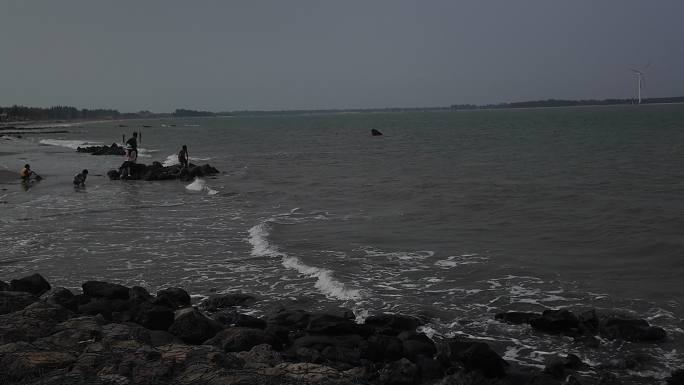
181 113
22 113
567 103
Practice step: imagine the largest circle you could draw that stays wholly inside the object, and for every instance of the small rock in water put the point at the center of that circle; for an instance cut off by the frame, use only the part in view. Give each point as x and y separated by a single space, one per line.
105 290
375 132
34 284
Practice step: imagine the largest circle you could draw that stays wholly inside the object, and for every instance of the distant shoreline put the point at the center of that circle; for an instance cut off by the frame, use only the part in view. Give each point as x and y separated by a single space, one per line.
28 123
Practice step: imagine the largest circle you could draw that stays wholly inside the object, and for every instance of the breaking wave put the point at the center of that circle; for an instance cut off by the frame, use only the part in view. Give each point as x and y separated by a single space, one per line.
73 144
325 282
201 185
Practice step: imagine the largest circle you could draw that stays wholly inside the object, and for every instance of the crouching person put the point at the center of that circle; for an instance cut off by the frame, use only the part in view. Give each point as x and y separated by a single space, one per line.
79 179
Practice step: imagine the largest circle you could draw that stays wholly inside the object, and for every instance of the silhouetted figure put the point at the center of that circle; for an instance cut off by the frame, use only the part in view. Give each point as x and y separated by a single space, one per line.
79 179
183 157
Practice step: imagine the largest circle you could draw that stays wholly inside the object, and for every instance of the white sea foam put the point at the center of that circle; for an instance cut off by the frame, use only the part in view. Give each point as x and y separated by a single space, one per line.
457 260
73 144
325 282
399 255
172 160
200 185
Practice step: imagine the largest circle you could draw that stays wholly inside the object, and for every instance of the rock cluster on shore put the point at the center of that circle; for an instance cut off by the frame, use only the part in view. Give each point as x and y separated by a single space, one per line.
157 171
114 149
112 334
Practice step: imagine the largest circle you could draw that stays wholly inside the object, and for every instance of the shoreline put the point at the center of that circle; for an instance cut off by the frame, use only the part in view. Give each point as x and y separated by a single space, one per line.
110 333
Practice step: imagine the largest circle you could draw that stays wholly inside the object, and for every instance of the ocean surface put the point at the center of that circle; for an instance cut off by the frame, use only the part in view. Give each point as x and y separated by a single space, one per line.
450 216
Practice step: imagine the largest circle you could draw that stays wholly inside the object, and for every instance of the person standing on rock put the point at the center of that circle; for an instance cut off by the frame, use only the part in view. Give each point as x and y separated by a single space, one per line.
132 148
79 179
183 157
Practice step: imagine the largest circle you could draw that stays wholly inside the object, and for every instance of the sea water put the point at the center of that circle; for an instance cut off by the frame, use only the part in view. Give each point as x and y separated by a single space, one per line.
449 216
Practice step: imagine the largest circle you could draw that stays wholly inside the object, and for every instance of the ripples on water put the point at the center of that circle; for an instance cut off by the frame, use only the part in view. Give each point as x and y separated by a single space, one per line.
451 217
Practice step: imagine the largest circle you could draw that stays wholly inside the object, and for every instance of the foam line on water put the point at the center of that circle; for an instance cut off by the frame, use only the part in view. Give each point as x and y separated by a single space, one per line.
325 282
172 160
73 144
200 184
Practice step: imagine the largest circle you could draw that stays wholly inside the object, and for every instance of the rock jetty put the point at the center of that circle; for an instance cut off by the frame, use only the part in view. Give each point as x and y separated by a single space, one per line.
157 171
113 334
114 149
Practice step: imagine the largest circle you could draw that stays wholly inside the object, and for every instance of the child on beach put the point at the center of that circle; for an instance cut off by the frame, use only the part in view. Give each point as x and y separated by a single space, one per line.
79 179
26 173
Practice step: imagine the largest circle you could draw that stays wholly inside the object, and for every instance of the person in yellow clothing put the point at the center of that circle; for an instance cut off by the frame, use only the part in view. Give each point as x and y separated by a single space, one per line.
27 174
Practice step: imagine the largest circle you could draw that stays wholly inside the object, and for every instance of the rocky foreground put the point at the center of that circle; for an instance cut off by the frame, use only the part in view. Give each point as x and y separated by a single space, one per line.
112 334
157 171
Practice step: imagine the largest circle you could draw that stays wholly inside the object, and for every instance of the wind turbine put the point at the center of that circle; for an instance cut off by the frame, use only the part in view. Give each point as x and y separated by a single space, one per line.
640 80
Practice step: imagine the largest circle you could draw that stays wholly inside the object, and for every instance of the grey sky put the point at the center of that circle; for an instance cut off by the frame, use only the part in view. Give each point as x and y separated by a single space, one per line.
228 55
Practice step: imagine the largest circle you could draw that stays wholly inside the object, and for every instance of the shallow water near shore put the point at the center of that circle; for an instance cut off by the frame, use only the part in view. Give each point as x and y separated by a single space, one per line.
449 216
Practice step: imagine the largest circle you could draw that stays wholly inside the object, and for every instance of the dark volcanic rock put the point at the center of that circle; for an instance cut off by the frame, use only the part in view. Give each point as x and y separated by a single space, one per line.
260 356
221 301
634 330
176 297
61 296
589 322
290 319
331 324
139 294
473 356
430 368
35 321
233 318
375 132
156 171
383 348
28 363
239 339
392 324
114 149
560 321
34 284
95 307
154 317
415 344
573 362
105 290
193 327
11 301
400 372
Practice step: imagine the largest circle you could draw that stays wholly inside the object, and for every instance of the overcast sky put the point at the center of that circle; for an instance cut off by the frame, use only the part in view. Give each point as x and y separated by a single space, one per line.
230 55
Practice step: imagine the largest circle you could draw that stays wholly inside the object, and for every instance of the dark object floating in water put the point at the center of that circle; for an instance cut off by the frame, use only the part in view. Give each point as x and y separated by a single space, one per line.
139 171
122 125
114 149
375 132
145 125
